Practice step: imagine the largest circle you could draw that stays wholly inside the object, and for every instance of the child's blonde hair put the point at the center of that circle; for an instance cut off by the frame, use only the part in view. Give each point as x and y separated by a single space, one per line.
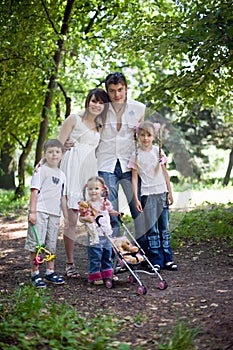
153 129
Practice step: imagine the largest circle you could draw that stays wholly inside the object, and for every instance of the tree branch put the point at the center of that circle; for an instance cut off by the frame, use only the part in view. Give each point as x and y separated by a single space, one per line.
47 13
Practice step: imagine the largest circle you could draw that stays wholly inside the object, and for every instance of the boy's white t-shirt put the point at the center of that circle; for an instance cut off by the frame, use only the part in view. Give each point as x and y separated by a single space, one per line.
149 170
51 184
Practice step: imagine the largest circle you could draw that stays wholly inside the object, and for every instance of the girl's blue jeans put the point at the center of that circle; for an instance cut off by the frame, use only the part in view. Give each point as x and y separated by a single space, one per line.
155 240
112 181
100 256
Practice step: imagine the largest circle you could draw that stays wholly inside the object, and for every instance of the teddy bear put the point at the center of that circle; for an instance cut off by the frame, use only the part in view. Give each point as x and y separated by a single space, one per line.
128 250
86 209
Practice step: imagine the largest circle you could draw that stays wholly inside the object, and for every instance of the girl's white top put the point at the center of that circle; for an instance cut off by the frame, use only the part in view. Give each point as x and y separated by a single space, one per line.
103 208
149 170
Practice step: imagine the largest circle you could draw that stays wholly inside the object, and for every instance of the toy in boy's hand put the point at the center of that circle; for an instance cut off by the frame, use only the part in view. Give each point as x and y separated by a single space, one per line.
40 250
86 209
39 259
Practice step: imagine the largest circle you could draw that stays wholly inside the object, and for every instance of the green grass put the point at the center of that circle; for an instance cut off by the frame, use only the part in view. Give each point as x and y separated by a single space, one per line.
212 222
182 338
31 320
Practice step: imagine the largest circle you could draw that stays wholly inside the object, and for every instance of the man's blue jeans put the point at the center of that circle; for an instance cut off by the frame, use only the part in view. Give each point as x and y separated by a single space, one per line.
112 181
156 239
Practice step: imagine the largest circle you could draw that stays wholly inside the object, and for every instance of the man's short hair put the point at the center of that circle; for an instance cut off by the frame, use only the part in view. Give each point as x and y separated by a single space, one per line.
115 78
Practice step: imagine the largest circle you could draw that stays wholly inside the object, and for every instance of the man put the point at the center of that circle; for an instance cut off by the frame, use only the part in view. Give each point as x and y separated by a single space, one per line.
117 144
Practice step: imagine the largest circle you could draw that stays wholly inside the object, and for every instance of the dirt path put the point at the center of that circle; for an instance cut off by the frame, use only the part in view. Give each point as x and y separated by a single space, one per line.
200 293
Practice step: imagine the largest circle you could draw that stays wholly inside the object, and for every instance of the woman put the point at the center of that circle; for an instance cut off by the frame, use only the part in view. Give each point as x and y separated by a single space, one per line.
79 163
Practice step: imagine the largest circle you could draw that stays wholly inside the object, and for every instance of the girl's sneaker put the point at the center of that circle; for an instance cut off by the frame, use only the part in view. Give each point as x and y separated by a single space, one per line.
38 282
53 278
98 282
171 266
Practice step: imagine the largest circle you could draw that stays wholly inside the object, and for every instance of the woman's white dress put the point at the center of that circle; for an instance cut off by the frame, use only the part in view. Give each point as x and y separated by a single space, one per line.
79 163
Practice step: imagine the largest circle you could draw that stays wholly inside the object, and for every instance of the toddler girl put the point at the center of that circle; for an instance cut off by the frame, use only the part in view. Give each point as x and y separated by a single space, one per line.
99 254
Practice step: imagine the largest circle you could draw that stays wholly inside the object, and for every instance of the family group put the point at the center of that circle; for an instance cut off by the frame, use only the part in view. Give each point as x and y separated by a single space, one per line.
110 144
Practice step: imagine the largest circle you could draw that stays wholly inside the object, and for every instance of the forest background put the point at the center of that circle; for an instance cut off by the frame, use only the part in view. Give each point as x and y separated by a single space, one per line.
177 56
178 59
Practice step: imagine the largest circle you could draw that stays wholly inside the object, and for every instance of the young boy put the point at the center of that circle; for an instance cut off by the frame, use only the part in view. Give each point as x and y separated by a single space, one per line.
46 200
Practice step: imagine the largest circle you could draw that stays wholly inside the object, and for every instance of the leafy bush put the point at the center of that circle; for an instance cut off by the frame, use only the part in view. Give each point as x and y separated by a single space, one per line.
13 206
211 222
30 320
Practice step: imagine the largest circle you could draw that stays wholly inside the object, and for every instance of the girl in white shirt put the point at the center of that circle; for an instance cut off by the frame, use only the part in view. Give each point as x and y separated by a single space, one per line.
149 162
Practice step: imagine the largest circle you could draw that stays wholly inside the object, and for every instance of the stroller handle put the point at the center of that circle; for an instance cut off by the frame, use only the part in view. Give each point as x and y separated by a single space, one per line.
97 219
100 216
120 217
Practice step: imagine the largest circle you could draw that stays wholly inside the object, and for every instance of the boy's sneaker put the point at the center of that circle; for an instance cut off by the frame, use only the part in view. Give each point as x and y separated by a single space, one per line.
53 278
38 282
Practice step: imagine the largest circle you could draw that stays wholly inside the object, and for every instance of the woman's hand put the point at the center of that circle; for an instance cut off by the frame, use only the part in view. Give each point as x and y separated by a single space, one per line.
41 162
68 144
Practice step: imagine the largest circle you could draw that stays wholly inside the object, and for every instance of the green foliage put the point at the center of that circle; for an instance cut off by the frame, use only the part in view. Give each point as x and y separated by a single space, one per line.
12 206
31 320
185 66
182 338
211 222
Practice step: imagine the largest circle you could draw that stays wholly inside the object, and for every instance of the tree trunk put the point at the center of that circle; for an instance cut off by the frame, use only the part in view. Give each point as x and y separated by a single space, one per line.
51 85
229 168
20 190
7 176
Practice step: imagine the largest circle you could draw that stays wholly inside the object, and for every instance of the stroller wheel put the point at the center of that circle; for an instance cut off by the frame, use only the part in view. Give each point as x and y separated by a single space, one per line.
108 283
162 285
142 290
132 279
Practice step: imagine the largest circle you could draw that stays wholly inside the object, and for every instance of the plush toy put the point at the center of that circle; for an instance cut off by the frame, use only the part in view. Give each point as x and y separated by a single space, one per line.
128 250
86 209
